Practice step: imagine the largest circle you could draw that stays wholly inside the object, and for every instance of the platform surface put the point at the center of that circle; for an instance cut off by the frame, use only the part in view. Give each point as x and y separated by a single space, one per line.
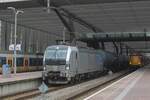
20 77
135 86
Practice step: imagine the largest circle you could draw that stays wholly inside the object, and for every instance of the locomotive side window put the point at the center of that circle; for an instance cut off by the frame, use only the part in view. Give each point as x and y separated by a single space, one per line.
20 61
40 61
36 61
2 61
33 61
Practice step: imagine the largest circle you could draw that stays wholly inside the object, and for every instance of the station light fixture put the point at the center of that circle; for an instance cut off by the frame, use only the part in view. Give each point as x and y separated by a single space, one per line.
16 12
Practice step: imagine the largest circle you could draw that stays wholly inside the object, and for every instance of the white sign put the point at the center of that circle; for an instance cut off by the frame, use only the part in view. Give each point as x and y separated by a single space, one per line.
11 47
18 47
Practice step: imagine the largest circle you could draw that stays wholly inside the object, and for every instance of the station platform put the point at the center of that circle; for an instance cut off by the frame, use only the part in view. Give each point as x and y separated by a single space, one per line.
18 83
20 77
135 86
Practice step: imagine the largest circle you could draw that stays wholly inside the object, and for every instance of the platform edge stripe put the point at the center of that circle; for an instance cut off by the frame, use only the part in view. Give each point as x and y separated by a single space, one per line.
128 88
109 86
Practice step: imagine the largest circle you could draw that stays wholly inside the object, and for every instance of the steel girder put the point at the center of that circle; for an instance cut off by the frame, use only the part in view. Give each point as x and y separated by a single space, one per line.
116 39
40 3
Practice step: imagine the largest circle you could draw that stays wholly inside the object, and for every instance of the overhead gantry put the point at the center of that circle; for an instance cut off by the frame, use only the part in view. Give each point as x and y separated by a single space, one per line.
41 3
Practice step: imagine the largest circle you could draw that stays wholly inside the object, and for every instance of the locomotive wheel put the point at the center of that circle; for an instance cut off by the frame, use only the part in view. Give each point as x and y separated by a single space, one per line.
73 80
79 78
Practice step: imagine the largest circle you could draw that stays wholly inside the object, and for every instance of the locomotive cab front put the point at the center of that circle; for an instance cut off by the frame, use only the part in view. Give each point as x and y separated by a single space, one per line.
56 64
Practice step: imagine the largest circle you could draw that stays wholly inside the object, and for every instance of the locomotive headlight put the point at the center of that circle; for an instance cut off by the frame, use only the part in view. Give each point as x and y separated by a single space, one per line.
139 62
67 66
44 68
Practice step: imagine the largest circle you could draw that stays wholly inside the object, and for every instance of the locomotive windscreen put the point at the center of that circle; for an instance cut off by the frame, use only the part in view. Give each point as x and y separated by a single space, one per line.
55 56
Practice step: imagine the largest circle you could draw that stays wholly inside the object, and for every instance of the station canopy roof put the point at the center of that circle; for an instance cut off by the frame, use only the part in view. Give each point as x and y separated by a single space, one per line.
104 15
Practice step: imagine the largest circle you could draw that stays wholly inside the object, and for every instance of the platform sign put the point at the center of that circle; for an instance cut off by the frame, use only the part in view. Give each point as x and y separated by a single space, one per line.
43 88
18 47
11 47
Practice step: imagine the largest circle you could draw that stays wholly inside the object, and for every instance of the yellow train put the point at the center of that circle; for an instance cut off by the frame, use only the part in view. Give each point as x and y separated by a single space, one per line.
136 60
25 62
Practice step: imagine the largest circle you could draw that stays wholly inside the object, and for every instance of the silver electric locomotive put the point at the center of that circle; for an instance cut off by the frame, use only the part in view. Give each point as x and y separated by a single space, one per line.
64 64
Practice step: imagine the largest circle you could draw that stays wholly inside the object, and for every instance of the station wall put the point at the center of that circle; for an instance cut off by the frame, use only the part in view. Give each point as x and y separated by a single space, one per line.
32 40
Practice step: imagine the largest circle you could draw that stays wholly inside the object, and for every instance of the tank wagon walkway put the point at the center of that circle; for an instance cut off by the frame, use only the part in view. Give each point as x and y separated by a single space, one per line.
135 86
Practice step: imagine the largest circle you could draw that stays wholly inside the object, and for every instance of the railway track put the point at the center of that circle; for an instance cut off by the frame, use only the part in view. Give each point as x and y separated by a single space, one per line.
53 89
77 90
89 92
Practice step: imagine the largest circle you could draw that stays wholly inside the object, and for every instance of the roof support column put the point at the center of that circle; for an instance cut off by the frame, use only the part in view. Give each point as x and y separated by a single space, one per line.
121 48
72 33
80 20
127 52
103 45
63 20
116 47
68 24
